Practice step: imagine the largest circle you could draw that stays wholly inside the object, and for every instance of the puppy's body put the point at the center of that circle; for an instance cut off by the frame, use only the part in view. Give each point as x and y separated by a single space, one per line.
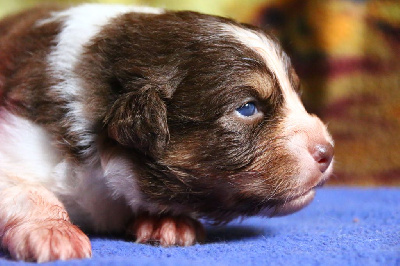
119 118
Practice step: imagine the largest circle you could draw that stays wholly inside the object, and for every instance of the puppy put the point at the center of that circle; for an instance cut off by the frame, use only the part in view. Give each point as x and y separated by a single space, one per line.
139 120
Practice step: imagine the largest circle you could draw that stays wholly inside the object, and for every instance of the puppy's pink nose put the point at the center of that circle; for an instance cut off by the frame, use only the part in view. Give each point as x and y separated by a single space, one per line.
322 154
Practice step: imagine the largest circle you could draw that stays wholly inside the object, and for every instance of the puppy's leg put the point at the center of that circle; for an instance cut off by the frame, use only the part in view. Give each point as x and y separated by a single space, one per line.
167 230
35 226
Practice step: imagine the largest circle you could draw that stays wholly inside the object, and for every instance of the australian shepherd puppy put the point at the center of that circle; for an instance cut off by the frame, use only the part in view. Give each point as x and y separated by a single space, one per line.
131 119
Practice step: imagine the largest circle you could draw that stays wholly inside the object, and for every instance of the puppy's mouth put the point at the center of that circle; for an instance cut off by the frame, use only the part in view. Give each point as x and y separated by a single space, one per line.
294 204
291 205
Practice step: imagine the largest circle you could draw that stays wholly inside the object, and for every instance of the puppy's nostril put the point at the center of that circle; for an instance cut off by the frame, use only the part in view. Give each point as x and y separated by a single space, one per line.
323 154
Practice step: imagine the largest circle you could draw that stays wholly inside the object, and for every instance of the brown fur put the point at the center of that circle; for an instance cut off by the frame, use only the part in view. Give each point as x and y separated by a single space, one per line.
181 165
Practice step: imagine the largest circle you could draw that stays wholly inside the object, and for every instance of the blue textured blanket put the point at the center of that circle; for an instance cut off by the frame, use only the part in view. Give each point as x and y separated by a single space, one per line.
341 227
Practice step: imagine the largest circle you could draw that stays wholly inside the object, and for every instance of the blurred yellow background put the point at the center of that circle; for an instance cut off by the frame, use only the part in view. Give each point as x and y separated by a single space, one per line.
234 9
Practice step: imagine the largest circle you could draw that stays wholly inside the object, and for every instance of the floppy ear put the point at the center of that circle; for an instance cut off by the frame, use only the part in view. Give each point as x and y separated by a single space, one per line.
138 119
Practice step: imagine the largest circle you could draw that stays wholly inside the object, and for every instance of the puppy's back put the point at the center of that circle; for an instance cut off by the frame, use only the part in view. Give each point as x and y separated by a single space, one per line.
19 34
23 46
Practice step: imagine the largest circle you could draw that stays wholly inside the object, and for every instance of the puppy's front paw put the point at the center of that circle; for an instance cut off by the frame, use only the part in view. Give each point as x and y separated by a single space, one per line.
167 230
47 240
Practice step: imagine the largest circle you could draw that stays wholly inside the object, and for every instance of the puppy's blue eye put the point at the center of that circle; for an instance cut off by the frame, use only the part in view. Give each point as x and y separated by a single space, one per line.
247 110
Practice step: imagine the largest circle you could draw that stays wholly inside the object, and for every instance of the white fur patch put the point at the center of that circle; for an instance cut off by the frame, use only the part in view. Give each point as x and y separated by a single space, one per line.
25 150
80 25
96 197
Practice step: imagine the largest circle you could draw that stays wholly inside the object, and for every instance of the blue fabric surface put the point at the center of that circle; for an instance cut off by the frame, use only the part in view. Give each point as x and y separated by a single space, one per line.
343 226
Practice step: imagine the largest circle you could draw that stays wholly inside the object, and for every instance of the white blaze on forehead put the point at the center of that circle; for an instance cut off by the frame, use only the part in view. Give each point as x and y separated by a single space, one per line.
274 58
300 130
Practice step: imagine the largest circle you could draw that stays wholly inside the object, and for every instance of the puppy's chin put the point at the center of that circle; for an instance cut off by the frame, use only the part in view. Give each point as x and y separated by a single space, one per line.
290 206
295 201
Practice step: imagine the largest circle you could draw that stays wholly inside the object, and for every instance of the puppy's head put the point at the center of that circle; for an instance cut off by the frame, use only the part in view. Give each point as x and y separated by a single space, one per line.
212 109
